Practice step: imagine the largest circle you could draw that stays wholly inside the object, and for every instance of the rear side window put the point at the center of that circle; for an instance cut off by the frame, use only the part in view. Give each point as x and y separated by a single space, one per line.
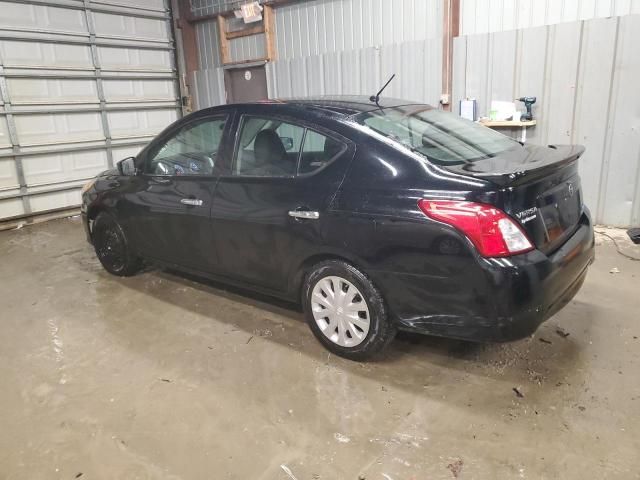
318 151
268 148
274 148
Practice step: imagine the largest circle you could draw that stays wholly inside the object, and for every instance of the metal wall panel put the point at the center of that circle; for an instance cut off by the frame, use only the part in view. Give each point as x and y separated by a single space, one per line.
82 85
320 26
337 47
240 49
482 16
362 72
208 44
585 77
247 48
209 88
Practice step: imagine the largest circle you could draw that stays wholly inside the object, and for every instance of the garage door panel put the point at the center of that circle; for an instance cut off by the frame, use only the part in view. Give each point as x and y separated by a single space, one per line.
22 15
62 167
52 90
8 174
136 123
58 128
146 4
81 100
118 90
110 25
5 141
18 54
11 207
55 200
124 152
112 58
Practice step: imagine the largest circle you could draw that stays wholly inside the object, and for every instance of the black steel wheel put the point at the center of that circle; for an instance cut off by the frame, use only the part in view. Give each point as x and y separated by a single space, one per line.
112 247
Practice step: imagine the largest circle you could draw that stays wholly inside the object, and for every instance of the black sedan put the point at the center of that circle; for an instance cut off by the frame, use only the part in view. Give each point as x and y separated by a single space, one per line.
377 216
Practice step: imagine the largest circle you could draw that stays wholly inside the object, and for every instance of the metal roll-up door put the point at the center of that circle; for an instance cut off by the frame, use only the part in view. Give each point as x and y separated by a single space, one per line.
83 84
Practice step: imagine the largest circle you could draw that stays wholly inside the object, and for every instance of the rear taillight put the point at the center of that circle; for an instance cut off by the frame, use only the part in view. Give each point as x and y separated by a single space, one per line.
491 230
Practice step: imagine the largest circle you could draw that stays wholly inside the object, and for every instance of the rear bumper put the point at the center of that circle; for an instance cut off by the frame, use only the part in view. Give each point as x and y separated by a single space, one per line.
497 299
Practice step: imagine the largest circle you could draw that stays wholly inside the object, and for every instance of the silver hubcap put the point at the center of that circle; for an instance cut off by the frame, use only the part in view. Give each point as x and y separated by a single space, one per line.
340 311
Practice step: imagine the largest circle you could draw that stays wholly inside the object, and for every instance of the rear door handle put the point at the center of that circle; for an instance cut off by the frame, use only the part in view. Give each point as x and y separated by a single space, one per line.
194 202
305 214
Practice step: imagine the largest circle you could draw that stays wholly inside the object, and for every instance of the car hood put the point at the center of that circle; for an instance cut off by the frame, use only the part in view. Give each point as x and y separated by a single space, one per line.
109 173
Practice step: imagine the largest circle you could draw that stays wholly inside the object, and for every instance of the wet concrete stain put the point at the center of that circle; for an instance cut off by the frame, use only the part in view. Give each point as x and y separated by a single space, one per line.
161 376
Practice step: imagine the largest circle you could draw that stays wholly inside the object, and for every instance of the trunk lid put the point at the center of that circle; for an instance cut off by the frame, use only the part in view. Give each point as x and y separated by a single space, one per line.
539 187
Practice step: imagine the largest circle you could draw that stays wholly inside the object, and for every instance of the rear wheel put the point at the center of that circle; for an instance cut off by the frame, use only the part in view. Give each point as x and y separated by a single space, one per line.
346 311
112 247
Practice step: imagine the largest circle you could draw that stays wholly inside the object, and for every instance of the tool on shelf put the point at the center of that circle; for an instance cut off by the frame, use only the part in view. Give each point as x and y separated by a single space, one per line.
528 103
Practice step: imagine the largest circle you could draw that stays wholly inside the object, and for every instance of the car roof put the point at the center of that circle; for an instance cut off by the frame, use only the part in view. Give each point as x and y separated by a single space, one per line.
338 105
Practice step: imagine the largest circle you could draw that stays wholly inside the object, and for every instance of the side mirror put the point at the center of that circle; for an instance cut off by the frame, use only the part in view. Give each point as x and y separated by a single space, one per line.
287 142
127 166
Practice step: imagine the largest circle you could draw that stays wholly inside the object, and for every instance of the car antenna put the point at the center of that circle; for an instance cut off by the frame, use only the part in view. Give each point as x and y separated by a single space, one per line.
375 98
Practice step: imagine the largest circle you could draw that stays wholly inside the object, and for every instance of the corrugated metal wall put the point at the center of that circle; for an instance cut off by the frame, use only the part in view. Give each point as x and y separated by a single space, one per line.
209 88
336 47
418 66
209 78
83 84
322 26
585 75
208 44
482 16
243 48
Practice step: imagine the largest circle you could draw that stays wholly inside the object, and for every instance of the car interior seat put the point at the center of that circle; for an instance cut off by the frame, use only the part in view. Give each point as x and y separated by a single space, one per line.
270 154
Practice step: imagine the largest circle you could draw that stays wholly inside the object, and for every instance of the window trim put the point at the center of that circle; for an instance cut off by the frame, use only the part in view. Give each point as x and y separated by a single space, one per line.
173 133
296 123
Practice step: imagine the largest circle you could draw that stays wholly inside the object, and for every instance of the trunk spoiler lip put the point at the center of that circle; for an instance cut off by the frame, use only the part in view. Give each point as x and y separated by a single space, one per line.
520 175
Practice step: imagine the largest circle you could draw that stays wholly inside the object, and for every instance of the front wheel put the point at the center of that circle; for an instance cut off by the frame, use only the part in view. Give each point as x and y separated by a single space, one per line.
112 247
346 311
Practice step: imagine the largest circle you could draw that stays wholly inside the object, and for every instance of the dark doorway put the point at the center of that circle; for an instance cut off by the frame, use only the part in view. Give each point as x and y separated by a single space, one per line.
247 84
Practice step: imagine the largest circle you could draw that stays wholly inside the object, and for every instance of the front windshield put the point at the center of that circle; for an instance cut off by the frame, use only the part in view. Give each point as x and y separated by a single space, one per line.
444 138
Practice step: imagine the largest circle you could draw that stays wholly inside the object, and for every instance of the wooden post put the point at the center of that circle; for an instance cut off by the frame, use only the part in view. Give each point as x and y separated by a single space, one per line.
224 42
183 24
269 33
451 28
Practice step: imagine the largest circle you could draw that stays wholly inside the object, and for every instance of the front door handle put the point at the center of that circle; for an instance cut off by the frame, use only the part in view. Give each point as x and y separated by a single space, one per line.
194 202
305 214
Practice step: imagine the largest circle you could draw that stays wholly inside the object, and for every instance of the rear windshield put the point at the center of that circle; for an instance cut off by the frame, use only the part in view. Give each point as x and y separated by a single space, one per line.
444 138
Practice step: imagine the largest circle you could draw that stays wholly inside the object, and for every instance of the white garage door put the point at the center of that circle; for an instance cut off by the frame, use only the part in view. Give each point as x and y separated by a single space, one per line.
83 84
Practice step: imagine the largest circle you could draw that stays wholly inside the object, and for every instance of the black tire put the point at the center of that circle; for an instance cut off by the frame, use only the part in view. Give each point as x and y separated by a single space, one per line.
112 248
381 329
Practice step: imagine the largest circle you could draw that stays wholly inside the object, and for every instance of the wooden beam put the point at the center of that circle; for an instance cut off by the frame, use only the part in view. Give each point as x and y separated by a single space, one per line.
245 32
268 20
244 62
189 50
229 13
451 27
224 43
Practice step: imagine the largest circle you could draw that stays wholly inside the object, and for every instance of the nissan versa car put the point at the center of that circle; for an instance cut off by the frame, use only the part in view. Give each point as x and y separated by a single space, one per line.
376 216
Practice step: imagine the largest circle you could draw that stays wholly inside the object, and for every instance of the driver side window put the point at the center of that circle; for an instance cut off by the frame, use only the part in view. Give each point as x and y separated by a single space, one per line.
191 151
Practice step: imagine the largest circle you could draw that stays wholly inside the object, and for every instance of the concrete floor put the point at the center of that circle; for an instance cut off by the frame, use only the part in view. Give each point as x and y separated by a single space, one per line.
158 376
